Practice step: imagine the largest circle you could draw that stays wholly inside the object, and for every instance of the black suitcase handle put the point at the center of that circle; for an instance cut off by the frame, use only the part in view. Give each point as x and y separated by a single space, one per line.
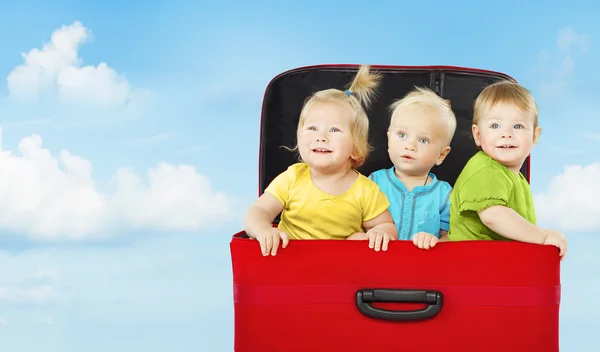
365 297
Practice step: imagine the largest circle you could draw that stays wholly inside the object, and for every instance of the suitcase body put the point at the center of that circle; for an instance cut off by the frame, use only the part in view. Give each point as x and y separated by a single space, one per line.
343 296
332 295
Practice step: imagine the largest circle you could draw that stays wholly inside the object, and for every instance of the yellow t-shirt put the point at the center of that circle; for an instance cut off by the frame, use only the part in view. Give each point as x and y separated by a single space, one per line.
309 213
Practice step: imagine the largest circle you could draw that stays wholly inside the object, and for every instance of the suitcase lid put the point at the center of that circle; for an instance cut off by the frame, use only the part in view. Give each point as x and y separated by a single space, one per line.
286 93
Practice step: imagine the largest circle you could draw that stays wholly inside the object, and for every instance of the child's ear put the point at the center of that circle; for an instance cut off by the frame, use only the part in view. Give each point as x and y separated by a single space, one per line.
476 135
536 134
443 155
388 140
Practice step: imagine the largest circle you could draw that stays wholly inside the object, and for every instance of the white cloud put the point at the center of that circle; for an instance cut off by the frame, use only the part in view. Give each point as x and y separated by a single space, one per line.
593 136
556 68
56 71
46 196
567 37
572 201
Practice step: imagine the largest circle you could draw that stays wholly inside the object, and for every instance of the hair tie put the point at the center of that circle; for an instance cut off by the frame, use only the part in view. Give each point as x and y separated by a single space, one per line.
348 92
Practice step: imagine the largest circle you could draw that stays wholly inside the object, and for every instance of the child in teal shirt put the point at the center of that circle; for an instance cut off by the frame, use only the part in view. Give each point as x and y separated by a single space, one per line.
421 128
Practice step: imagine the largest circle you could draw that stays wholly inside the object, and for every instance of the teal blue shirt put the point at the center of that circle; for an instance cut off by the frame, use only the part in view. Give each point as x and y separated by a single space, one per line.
424 209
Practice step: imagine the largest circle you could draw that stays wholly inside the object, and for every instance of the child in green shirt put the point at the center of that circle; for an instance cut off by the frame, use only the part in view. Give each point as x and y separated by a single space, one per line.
491 199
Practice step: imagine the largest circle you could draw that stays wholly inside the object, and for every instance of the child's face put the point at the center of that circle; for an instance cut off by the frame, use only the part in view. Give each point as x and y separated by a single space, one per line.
507 134
416 140
325 140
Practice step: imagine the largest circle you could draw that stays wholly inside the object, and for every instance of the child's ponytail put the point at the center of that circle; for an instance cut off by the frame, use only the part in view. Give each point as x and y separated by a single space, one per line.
364 85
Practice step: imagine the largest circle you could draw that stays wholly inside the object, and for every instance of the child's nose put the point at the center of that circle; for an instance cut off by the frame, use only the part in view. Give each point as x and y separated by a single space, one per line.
321 138
409 145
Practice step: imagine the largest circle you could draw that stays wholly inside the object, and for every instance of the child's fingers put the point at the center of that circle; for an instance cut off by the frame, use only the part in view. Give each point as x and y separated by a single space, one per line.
378 241
433 242
422 238
275 240
416 240
426 240
263 245
284 239
371 240
268 244
563 248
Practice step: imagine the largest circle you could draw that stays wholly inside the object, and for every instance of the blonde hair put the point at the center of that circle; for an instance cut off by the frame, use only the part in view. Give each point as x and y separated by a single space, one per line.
507 92
432 102
357 98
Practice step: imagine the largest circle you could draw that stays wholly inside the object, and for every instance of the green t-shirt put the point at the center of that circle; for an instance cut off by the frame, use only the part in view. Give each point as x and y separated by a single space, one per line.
483 183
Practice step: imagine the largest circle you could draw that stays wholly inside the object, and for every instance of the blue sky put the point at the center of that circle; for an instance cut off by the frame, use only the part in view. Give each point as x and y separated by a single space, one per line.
154 146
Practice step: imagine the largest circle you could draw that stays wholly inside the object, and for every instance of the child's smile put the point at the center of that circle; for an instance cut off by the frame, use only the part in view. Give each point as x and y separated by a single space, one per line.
506 134
325 141
321 151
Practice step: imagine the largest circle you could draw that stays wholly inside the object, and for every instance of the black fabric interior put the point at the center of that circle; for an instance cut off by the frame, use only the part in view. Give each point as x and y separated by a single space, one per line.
285 96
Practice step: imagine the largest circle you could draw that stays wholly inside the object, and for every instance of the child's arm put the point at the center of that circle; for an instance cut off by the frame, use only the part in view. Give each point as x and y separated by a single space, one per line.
380 230
357 236
443 236
382 221
508 223
426 240
258 224
261 214
445 216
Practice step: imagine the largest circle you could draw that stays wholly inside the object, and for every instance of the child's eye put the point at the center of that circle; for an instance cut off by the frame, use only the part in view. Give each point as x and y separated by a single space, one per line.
423 141
401 134
311 128
494 126
519 126
335 129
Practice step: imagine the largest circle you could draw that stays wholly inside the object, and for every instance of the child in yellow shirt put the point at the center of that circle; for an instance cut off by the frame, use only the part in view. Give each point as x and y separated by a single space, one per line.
323 196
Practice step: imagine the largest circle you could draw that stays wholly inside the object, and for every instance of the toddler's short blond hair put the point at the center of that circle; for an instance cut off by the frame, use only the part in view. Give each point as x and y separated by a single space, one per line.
432 102
506 92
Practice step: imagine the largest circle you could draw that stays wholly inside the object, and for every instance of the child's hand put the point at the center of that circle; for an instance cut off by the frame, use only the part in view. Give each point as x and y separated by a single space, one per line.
379 238
269 240
425 240
556 238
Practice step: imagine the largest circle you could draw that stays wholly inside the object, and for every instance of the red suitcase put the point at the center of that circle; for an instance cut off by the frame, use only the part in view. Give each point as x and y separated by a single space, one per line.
340 295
